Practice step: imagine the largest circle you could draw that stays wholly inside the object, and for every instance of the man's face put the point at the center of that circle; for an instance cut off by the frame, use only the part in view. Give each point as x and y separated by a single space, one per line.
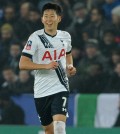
24 76
6 34
75 53
115 58
50 19
9 13
115 19
95 15
80 13
15 50
117 69
34 16
91 52
8 75
108 38
24 10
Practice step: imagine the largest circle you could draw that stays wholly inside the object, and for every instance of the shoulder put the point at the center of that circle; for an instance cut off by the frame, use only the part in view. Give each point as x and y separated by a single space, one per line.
39 32
64 34
36 34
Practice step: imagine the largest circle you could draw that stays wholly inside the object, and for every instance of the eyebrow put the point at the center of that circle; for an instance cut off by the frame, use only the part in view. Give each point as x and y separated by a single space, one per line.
47 14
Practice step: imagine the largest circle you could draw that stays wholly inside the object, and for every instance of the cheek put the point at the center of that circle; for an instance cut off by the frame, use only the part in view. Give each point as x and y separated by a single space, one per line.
43 20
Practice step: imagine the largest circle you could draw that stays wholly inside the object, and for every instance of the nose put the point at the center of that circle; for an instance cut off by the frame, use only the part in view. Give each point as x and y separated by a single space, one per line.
49 20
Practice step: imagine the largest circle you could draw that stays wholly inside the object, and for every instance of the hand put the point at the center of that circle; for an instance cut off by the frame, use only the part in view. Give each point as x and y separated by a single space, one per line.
52 65
71 70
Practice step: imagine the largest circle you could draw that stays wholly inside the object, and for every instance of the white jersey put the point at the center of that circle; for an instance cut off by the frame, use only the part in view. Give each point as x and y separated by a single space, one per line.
43 49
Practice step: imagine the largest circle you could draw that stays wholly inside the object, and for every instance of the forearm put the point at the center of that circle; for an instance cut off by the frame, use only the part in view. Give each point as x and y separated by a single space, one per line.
69 59
29 65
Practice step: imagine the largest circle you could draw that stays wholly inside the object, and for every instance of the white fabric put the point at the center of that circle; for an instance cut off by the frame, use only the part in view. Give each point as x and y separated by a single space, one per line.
107 110
47 81
59 127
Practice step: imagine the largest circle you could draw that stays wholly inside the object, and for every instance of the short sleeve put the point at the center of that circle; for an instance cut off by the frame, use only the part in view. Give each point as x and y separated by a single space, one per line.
31 46
69 46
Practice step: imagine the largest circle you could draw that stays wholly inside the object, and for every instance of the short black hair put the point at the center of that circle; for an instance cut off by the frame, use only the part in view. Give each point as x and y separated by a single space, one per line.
53 6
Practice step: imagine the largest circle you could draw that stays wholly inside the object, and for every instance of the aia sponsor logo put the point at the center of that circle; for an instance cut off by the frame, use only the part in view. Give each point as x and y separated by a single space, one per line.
54 56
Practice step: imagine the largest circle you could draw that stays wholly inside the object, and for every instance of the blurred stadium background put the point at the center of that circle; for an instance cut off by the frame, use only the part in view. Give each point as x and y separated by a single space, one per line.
94 103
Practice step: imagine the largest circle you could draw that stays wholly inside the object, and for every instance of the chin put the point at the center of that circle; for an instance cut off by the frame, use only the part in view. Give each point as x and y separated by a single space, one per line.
50 28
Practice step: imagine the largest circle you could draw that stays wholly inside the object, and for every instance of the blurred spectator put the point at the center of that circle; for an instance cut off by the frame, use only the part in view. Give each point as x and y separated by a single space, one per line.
85 36
116 23
98 23
9 15
13 59
10 113
108 6
113 85
5 41
94 82
25 82
67 14
77 54
108 44
10 81
80 21
24 10
77 84
35 20
6 36
115 59
22 27
97 3
92 56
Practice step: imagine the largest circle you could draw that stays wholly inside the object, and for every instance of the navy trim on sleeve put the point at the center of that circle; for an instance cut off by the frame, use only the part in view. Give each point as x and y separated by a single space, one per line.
68 52
27 55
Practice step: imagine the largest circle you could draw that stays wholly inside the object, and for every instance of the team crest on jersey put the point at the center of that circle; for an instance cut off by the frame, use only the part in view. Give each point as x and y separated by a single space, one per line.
62 42
28 45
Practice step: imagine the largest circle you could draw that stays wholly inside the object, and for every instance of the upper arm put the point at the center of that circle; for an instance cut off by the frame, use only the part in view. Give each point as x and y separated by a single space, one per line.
24 60
30 47
69 46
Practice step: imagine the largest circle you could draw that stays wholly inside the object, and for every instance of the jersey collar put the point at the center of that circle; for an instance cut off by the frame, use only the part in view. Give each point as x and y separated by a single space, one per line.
49 34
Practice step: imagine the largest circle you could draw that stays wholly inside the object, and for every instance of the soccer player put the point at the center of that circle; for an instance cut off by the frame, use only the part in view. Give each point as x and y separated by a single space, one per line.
48 52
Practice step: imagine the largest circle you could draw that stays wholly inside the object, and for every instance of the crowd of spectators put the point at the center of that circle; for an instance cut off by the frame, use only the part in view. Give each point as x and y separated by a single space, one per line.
94 26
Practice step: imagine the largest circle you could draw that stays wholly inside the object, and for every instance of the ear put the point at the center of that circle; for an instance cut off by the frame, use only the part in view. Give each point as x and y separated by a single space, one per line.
59 19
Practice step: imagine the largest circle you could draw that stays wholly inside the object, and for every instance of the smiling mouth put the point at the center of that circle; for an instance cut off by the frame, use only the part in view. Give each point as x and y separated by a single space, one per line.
49 24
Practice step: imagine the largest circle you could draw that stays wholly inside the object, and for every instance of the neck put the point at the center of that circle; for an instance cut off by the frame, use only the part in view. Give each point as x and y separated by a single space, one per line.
51 32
